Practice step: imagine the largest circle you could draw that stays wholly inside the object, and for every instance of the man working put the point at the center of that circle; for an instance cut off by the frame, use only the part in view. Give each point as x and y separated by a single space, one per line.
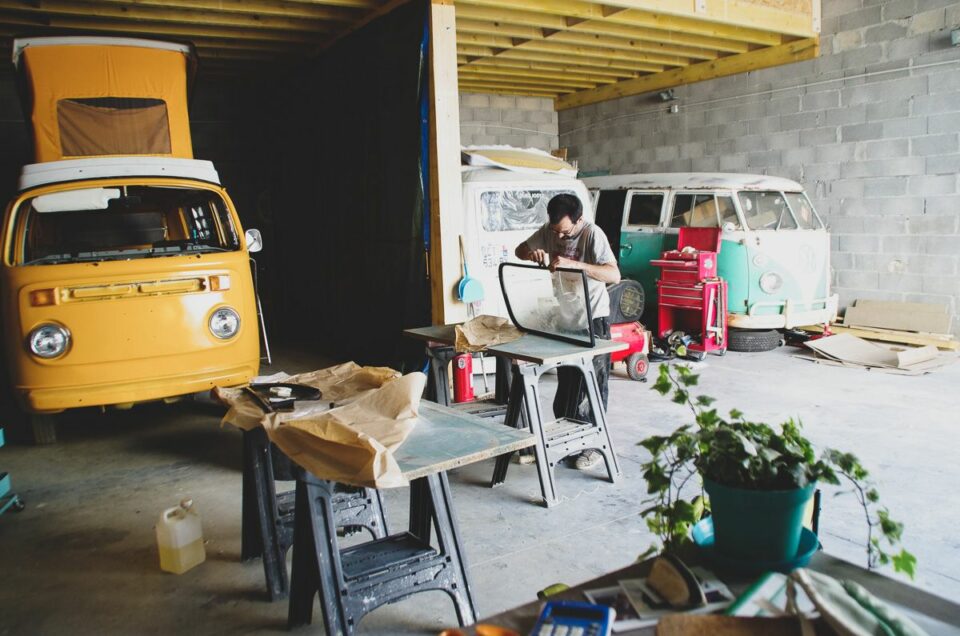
568 240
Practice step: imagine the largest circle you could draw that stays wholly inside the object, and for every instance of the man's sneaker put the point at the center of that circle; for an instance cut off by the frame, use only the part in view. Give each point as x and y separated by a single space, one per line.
588 459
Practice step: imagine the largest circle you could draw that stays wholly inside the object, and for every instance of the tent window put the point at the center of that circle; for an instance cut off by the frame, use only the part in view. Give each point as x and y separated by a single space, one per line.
113 126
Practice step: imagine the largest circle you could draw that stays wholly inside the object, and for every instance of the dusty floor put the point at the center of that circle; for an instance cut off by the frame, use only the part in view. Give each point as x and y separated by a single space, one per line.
82 559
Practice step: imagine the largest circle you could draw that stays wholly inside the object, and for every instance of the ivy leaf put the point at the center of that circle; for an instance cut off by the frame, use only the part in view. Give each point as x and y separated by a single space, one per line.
735 414
705 400
905 562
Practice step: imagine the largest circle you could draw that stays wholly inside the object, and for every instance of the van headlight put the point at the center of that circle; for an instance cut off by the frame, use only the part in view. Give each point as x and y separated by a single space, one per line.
48 341
770 282
224 323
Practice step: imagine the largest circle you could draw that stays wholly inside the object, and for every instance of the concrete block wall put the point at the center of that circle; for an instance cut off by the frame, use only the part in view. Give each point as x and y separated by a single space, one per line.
525 122
871 128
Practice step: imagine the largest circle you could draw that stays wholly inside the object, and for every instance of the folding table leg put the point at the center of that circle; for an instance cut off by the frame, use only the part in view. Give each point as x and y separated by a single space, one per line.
448 538
316 561
600 418
514 418
421 510
438 387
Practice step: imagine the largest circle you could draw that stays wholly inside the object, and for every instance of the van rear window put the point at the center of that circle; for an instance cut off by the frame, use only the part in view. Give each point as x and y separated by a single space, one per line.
113 126
511 210
123 223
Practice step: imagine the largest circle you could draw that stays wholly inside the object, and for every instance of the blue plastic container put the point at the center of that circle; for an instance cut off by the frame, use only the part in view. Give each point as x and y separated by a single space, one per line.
757 525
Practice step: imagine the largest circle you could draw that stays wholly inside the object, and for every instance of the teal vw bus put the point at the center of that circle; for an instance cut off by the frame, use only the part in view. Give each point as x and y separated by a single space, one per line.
775 253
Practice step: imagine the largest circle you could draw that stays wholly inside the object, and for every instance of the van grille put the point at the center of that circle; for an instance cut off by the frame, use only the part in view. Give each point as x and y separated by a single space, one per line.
136 289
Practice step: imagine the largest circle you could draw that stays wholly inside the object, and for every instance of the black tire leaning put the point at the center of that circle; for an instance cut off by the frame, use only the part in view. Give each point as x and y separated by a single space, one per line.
753 340
637 366
627 301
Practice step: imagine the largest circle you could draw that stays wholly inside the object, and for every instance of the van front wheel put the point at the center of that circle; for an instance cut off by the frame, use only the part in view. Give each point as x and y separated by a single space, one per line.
753 340
44 428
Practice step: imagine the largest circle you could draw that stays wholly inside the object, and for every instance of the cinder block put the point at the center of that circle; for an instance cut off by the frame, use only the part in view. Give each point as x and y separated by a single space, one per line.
782 141
845 116
764 159
953 14
859 243
798 156
847 188
899 205
503 102
783 105
930 264
836 8
543 142
858 19
901 282
884 187
705 164
818 136
899 9
949 204
941 224
907 48
821 101
938 103
886 148
858 280
932 185
862 57
692 150
861 132
944 164
935 144
884 32
474 100
763 126
927 22
749 143
846 225
733 163
907 127
888 109
937 285
932 297
883 168
511 116
901 244
549 128
800 121
846 40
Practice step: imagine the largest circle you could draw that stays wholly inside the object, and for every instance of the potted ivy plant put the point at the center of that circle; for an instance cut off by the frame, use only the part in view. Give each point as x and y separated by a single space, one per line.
756 480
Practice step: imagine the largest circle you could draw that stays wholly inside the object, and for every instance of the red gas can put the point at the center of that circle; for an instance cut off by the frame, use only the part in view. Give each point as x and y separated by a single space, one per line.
463 378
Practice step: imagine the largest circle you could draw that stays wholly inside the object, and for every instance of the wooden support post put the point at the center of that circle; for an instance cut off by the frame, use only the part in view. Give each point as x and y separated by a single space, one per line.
446 199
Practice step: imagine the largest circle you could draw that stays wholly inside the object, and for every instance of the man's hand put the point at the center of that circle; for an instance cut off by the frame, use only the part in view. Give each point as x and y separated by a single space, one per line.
540 257
567 263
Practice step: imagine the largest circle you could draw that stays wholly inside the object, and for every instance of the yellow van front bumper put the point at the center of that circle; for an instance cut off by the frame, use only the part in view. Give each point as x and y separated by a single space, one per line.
61 398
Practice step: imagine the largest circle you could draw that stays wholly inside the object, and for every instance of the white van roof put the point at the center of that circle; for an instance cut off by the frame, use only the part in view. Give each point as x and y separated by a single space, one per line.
38 174
693 181
472 174
20 44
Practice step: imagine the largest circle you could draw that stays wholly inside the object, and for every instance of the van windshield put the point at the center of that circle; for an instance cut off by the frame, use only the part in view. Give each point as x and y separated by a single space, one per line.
803 211
508 210
124 222
766 210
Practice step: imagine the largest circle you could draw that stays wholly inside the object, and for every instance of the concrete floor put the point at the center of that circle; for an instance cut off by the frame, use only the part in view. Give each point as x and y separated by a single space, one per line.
82 559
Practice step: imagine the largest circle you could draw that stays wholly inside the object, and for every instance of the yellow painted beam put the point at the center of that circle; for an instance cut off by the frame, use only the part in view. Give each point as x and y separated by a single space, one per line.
505 91
561 48
511 16
762 58
482 27
645 46
520 86
485 39
155 14
188 31
279 8
446 199
731 12
561 76
466 74
502 62
566 8
537 56
359 4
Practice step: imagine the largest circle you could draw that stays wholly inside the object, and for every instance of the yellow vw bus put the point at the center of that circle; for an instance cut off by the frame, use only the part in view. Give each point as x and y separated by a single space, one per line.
125 274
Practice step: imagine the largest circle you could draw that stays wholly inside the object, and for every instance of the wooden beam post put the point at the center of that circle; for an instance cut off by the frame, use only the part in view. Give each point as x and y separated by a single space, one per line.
446 198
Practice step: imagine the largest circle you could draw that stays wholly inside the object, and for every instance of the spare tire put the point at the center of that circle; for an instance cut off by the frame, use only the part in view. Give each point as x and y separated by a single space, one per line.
627 301
753 340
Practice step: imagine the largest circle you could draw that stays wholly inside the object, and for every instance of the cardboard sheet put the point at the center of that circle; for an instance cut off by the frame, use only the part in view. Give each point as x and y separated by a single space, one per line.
848 350
921 317
484 331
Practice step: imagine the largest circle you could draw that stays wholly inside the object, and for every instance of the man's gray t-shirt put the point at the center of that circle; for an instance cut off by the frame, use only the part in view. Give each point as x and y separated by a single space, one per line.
589 246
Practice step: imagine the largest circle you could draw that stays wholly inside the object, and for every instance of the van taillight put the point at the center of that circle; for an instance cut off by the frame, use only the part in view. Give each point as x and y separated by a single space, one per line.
43 297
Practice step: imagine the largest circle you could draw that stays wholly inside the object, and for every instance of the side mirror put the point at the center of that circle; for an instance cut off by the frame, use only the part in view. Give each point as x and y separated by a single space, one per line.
254 240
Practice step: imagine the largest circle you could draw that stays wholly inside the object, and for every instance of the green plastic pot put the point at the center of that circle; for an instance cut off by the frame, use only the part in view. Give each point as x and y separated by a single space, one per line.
757 525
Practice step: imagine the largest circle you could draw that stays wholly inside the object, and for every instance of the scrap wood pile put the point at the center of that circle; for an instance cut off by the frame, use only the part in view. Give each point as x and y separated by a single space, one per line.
920 324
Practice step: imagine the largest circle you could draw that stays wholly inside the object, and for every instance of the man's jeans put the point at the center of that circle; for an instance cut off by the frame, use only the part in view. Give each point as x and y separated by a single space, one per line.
571 399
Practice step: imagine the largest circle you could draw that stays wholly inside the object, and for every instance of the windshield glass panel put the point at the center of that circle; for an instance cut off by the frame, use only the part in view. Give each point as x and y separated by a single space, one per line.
140 222
553 304
803 211
766 210
509 210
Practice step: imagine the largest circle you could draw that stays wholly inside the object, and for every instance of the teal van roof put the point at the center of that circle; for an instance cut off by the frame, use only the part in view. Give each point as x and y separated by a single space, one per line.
693 181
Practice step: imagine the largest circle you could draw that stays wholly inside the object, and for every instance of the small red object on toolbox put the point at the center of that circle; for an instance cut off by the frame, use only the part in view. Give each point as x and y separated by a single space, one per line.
691 298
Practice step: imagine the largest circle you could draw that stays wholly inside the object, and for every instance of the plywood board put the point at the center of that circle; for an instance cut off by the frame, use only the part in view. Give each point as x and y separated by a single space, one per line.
904 316
891 336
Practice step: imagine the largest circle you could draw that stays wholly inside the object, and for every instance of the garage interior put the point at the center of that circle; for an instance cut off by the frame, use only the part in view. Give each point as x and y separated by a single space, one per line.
313 114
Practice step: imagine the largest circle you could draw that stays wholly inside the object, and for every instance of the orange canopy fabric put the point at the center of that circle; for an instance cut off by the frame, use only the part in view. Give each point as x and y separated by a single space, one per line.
73 117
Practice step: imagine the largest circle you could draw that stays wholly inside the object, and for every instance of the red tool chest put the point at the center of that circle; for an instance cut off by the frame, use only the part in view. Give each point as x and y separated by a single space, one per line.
691 298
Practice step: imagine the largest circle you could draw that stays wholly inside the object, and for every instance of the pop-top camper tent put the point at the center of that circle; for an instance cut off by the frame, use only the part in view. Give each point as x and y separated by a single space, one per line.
94 97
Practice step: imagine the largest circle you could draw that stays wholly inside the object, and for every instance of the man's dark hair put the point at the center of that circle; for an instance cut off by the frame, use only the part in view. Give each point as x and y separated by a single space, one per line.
564 205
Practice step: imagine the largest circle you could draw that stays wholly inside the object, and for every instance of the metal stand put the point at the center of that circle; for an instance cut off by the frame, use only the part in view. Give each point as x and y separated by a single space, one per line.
268 517
438 386
559 438
354 581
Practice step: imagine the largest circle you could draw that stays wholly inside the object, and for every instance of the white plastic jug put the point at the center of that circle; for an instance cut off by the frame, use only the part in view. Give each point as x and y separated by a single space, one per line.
180 538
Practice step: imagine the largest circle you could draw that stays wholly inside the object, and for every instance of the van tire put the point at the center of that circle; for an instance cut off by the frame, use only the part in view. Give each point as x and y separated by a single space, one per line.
44 428
627 301
752 340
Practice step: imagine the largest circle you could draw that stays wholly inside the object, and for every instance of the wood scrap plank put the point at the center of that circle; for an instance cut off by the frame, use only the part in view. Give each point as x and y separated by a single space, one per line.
902 337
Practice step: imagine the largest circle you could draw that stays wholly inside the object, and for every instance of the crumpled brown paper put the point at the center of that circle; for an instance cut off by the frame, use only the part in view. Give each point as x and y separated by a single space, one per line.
353 443
339 384
484 331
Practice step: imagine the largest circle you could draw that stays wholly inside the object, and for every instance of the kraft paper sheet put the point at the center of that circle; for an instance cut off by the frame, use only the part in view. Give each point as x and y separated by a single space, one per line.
353 442
484 331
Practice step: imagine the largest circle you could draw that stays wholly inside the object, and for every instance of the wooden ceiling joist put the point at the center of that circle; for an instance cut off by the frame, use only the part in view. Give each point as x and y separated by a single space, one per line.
528 80
533 67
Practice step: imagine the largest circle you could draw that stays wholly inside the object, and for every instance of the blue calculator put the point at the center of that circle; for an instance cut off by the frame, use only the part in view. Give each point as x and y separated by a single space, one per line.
573 618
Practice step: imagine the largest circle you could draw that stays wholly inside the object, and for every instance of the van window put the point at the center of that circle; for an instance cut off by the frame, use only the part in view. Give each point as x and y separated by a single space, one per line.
509 210
645 209
146 221
694 211
113 126
766 211
728 212
803 211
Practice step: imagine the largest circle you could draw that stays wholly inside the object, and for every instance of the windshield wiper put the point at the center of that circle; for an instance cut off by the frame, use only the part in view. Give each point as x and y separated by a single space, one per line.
49 259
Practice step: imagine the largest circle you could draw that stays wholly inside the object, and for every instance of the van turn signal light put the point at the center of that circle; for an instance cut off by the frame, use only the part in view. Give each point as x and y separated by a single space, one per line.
219 283
43 297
